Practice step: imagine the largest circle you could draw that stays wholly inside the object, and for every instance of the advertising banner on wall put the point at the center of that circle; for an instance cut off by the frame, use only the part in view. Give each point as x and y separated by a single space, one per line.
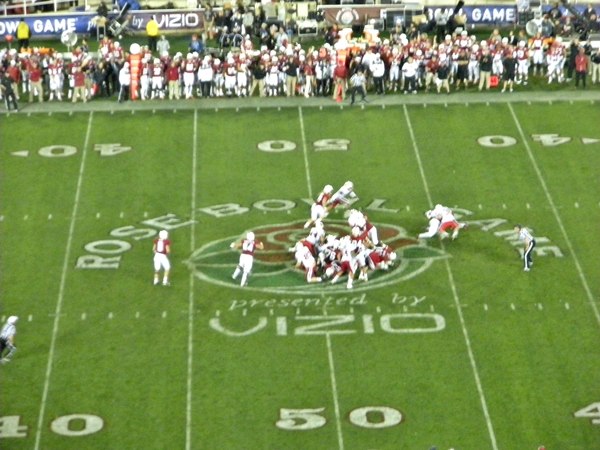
52 25
476 14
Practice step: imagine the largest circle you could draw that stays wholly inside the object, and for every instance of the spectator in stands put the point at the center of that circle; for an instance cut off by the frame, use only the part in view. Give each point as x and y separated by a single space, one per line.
248 22
163 46
209 23
23 34
152 31
589 12
331 35
196 45
555 14
102 10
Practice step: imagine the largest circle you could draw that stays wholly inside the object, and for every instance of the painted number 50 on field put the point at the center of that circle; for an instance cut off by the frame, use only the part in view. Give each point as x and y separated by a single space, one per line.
373 417
321 145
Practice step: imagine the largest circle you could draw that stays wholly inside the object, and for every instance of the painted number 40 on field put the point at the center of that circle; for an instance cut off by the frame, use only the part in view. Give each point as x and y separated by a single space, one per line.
591 411
373 417
63 151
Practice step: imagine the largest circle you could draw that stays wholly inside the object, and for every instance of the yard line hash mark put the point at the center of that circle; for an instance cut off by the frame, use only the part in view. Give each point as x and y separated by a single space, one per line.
191 299
63 280
334 391
465 333
554 209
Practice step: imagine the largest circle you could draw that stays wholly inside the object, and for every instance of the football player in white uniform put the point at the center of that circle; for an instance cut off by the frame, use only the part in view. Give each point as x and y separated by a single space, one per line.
162 249
248 247
343 196
433 227
7 339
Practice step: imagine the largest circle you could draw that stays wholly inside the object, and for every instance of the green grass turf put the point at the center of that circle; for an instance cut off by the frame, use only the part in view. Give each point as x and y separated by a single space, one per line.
514 355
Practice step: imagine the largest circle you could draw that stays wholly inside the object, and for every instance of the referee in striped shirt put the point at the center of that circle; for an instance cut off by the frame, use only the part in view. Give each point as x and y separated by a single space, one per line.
529 242
7 339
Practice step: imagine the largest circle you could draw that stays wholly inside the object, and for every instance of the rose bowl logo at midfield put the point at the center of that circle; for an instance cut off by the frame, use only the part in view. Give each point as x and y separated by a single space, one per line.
274 270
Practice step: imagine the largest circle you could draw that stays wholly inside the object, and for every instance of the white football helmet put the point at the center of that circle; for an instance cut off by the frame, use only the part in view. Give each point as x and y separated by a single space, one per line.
250 236
328 189
163 234
349 184
12 320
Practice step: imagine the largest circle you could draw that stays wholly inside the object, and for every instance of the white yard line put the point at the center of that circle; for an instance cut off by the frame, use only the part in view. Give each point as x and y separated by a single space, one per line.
190 359
305 153
482 400
334 389
534 163
336 404
61 290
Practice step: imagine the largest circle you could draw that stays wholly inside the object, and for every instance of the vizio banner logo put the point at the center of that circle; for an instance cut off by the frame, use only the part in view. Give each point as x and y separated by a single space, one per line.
274 271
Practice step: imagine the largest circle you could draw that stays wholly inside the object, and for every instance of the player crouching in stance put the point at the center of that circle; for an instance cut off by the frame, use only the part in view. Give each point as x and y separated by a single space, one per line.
248 247
7 339
529 244
162 249
441 219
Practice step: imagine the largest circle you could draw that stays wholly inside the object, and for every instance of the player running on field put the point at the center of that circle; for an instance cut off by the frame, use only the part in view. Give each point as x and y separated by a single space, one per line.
248 247
162 249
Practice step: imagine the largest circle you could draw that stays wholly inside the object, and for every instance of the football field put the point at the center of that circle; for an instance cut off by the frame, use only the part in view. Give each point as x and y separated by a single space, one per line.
455 346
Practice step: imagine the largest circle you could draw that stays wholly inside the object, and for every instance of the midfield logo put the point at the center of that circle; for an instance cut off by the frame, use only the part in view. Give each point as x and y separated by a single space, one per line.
274 270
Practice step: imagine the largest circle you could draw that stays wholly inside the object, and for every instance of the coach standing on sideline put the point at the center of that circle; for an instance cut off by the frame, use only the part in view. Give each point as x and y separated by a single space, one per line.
7 339
525 236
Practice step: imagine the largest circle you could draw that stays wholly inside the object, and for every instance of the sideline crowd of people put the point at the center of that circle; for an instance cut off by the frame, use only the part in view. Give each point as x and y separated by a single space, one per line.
272 64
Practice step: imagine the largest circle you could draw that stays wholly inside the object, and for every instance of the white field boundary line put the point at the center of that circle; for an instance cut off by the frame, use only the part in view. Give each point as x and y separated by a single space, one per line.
334 390
191 300
550 200
475 370
61 290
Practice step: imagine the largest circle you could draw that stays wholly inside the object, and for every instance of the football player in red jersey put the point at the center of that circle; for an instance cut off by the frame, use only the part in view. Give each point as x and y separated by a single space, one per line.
162 250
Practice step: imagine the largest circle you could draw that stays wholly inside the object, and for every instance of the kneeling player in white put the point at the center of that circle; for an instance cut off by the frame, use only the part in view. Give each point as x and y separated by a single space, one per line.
162 249
248 246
